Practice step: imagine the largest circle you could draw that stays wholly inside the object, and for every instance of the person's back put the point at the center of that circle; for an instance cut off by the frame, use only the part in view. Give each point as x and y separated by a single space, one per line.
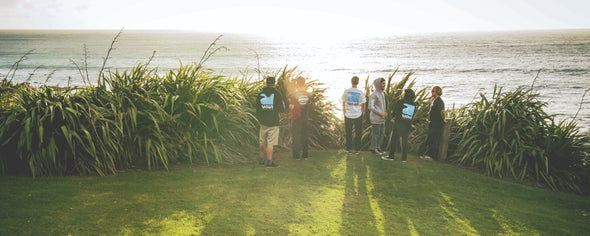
298 113
353 107
403 113
354 98
269 106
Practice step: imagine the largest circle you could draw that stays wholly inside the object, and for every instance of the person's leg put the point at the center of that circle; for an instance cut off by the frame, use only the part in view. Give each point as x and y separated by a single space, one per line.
358 130
380 137
272 140
348 123
374 138
262 145
269 149
296 132
429 149
304 141
405 146
437 135
393 142
434 135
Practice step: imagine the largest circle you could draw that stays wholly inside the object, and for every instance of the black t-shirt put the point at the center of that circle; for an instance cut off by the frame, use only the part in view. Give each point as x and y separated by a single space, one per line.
436 119
269 104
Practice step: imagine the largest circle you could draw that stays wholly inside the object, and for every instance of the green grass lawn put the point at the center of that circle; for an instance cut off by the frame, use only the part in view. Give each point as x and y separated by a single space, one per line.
329 194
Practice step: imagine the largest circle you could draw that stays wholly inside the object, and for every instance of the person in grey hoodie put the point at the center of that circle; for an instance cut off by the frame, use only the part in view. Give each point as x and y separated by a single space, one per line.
378 114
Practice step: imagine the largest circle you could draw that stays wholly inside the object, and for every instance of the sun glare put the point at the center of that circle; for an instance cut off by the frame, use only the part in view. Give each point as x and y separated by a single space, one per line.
287 24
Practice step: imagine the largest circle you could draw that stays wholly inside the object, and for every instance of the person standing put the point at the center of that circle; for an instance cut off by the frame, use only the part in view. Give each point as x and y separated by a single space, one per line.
403 113
378 114
299 115
353 106
269 104
436 125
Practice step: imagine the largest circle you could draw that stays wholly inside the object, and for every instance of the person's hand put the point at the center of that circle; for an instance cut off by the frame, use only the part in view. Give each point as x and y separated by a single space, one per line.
383 114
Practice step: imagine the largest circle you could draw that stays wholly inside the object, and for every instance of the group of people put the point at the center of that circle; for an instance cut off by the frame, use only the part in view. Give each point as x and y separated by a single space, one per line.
269 104
353 106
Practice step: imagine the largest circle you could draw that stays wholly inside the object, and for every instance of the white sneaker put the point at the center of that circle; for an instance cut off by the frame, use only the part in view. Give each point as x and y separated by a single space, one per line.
387 158
425 157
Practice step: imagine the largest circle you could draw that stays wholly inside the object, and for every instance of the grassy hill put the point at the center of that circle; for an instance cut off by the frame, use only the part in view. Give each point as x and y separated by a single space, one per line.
330 194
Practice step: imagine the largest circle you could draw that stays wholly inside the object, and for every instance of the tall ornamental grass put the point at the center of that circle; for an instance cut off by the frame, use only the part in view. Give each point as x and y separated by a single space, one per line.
131 118
511 135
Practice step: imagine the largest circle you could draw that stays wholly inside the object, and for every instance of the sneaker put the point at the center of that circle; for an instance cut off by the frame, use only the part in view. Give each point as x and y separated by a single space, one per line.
357 152
271 164
387 158
404 161
376 152
425 157
380 151
347 152
261 161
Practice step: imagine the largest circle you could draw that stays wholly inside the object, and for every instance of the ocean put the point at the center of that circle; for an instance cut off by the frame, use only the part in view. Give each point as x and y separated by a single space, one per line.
555 62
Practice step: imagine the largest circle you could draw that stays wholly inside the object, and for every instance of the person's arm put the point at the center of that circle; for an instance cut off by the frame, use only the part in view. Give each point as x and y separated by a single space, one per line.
372 106
362 109
443 115
343 108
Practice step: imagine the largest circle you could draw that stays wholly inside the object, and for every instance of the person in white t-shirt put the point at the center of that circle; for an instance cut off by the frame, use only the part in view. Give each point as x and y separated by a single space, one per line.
353 106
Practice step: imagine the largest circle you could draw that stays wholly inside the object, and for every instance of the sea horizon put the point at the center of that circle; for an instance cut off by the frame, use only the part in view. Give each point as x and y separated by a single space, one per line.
465 64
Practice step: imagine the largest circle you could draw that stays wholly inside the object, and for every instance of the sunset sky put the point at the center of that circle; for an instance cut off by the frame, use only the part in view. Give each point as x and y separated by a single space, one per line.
301 17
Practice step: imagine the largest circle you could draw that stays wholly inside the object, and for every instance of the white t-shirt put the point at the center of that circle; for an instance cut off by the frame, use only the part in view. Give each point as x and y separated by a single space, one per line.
353 97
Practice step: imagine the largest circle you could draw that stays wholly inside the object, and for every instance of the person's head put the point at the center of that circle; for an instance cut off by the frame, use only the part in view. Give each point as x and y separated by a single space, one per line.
270 81
354 81
300 82
436 91
379 84
409 95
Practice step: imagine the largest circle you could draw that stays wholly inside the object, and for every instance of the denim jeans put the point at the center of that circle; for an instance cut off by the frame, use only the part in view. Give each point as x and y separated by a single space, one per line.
377 136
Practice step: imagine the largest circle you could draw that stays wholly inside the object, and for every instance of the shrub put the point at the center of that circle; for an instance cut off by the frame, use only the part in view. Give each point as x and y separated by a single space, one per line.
511 135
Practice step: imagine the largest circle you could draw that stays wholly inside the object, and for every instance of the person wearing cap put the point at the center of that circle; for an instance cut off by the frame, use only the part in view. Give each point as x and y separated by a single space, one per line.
299 115
353 106
269 103
378 114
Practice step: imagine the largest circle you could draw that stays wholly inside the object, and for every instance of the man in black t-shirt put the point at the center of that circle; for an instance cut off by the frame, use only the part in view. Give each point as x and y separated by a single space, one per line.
269 104
437 123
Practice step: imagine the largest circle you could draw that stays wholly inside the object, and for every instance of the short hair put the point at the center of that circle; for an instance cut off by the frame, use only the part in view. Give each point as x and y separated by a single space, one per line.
300 81
270 80
437 90
354 80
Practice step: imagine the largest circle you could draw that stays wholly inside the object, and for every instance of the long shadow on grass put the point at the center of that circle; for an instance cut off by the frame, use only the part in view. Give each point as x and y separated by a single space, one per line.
358 216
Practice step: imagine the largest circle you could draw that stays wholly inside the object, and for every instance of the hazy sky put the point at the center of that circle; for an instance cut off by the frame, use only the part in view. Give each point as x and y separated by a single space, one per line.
297 17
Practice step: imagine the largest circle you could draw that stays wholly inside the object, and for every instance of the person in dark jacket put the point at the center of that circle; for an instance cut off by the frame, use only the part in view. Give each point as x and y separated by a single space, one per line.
436 125
299 115
269 103
403 113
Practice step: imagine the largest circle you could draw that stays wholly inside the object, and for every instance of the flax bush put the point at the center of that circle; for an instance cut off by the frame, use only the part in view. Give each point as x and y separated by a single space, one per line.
511 135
